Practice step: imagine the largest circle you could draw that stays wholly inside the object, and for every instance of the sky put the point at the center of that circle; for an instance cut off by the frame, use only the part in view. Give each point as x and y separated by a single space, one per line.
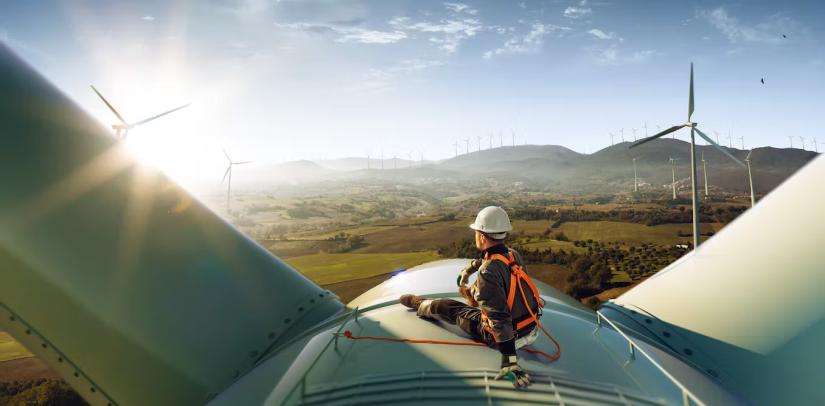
272 81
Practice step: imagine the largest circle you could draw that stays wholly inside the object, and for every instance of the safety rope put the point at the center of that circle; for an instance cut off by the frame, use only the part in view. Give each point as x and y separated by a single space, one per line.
348 334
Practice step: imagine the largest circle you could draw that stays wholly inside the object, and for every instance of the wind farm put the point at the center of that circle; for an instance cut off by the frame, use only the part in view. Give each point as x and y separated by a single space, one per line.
309 181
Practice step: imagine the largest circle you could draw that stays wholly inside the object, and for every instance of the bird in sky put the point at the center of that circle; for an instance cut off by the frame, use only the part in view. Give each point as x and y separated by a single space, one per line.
762 80
784 36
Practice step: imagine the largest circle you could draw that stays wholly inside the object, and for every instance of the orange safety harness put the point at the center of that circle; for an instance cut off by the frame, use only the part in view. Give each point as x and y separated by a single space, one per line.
517 275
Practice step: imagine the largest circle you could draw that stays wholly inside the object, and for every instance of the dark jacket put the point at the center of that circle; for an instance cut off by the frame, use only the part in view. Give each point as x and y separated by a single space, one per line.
490 291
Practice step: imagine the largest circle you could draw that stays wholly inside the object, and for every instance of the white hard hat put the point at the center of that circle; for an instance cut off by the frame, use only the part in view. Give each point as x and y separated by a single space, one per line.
493 221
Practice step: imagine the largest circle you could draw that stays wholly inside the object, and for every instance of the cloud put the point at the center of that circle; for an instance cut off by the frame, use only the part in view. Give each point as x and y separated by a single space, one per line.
601 34
578 11
614 56
447 35
378 80
528 43
767 32
346 34
148 18
460 8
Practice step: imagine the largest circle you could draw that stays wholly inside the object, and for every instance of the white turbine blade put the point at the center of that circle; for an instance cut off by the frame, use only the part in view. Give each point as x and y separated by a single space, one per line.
109 105
653 137
241 163
144 121
690 94
228 168
227 156
703 135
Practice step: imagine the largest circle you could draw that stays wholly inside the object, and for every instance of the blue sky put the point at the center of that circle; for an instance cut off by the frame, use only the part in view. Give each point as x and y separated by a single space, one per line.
284 80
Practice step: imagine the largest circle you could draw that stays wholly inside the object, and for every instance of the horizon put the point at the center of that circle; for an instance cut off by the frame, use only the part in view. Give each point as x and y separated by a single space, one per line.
317 80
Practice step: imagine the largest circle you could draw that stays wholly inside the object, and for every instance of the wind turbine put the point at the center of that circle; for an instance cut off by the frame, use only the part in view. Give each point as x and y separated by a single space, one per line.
478 137
816 147
742 139
513 133
802 140
122 129
611 139
455 144
673 173
634 134
750 179
467 142
705 172
622 133
645 129
228 172
693 130
500 139
635 177
790 138
730 140
491 141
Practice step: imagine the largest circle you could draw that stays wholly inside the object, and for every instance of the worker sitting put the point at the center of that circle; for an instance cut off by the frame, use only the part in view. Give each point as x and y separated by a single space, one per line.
499 313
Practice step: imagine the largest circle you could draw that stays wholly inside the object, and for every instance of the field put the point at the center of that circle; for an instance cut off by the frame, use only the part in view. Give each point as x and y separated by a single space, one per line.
632 233
327 269
11 349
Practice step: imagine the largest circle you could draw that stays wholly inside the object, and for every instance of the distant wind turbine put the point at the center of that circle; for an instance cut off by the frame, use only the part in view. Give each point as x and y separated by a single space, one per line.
816 145
693 130
802 140
621 131
368 160
500 139
742 139
611 139
750 178
634 134
717 136
513 133
455 144
730 140
122 129
479 142
645 129
705 172
790 138
230 164
382 159
467 142
673 173
491 141
635 177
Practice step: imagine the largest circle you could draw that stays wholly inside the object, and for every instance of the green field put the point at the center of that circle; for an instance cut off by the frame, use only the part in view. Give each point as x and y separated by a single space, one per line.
361 230
332 268
555 246
11 349
631 233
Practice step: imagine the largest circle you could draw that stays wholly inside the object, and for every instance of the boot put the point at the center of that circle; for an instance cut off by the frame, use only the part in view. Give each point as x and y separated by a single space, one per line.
411 301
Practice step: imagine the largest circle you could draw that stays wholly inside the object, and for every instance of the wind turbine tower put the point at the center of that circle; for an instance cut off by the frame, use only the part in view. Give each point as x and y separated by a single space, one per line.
742 140
645 129
694 130
122 129
467 143
634 134
455 144
513 133
750 178
790 138
228 172
611 139
705 172
621 131
500 139
673 173
802 140
478 137
635 177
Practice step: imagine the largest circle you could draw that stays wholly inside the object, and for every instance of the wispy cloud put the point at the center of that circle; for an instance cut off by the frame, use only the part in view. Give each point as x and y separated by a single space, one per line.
148 18
446 34
528 43
769 31
615 56
346 34
460 8
383 79
601 34
578 11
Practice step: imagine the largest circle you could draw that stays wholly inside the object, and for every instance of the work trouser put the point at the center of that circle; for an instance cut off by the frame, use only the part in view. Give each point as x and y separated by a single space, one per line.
468 319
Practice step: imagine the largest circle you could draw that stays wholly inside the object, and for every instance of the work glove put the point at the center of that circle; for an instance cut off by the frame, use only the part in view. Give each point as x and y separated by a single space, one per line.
512 371
464 275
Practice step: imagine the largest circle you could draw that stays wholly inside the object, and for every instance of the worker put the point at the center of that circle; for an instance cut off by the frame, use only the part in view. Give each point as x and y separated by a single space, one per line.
496 313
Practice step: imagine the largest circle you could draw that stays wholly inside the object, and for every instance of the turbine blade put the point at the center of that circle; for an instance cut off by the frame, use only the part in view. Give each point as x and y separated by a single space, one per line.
109 105
729 155
690 94
241 163
228 168
227 156
653 137
144 121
